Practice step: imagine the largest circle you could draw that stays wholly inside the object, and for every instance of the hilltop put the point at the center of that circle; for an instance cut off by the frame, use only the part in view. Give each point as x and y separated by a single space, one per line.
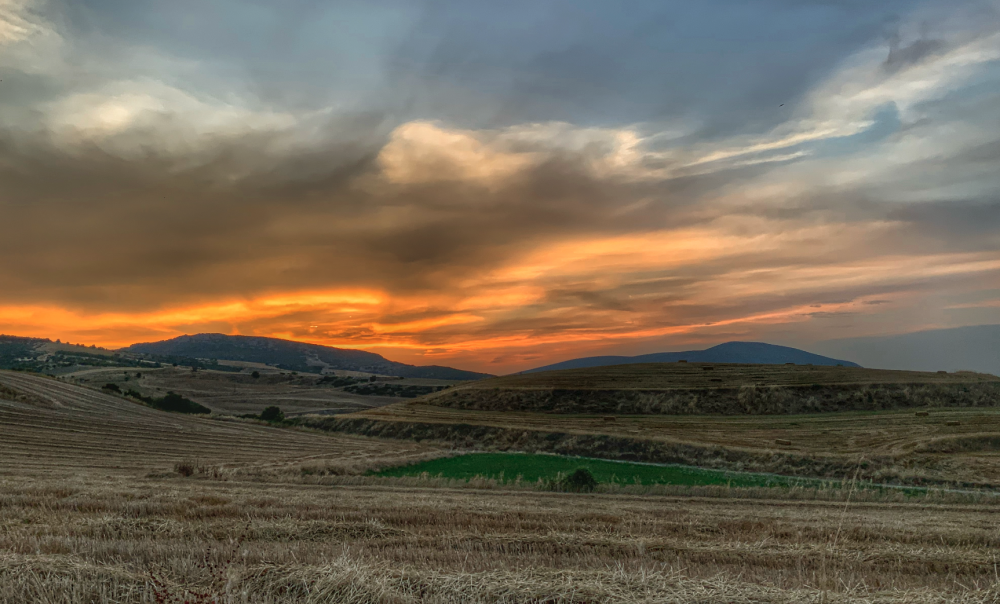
757 353
294 356
204 351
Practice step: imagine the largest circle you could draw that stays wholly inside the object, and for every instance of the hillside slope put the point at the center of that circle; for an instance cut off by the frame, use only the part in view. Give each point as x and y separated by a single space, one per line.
729 389
51 425
757 353
294 356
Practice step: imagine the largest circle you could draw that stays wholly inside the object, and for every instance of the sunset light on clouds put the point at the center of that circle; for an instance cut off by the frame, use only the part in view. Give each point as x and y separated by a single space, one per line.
502 201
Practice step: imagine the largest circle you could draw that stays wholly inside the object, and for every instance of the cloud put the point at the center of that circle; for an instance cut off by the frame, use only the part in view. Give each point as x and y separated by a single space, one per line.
421 152
15 24
163 194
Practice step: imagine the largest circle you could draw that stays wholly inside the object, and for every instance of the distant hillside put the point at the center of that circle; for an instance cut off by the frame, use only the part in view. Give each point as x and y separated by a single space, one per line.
720 388
975 348
15 350
42 355
756 353
294 356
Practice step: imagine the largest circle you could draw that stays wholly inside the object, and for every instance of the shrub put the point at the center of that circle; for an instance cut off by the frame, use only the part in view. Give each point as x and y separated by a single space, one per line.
178 404
272 414
112 388
255 374
185 468
580 481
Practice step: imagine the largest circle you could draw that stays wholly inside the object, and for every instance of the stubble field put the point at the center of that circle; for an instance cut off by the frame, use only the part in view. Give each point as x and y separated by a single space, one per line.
91 510
239 393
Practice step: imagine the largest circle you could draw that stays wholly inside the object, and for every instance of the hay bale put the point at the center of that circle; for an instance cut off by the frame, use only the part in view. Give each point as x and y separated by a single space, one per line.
953 423
783 442
922 413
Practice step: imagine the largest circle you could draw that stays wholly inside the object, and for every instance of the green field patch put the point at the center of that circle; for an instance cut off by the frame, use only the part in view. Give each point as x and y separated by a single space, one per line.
509 467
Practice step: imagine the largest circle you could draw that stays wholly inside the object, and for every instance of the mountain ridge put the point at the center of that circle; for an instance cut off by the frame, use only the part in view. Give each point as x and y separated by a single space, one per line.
729 352
291 355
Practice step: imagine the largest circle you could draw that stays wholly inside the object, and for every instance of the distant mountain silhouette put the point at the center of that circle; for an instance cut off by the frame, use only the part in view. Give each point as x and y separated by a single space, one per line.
730 352
294 356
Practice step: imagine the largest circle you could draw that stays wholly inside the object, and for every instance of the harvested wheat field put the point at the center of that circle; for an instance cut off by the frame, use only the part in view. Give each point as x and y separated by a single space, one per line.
49 426
94 508
96 539
234 393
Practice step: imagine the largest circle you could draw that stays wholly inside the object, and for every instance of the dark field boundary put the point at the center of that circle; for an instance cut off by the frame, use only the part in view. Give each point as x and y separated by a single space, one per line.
882 469
744 400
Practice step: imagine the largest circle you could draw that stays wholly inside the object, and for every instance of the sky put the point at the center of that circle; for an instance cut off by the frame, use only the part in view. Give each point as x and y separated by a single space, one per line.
498 186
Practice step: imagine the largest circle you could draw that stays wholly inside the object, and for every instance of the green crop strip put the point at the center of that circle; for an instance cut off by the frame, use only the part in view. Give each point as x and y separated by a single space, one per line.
508 467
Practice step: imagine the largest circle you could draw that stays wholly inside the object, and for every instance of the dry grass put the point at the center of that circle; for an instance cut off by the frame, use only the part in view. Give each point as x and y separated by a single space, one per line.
57 427
98 540
854 434
234 393
92 511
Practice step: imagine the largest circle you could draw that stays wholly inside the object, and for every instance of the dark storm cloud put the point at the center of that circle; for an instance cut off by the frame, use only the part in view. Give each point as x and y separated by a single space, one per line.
85 227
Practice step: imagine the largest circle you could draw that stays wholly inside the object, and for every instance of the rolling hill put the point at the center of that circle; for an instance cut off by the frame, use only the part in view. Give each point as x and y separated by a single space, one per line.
757 353
293 356
721 388
50 425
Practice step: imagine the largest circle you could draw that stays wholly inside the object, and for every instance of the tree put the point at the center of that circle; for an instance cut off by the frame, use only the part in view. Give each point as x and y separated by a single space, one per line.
255 375
272 414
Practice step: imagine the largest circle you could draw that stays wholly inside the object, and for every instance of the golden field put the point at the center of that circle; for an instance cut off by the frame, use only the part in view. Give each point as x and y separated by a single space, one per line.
92 510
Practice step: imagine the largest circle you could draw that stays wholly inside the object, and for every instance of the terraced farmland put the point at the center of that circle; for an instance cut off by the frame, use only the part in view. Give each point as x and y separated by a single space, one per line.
707 388
718 375
47 425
